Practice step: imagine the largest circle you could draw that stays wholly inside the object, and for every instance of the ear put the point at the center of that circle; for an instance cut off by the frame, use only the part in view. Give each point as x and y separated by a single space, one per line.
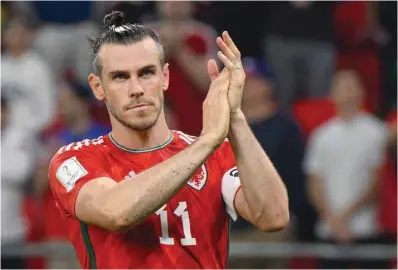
166 77
96 86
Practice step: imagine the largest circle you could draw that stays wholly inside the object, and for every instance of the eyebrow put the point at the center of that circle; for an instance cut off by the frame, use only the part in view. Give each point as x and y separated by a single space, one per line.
115 72
147 67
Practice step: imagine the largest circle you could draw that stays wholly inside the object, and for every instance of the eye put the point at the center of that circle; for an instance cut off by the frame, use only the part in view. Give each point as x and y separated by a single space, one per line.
120 76
147 73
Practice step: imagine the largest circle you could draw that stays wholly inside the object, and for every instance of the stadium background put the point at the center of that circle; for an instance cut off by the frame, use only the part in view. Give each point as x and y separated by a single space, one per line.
46 54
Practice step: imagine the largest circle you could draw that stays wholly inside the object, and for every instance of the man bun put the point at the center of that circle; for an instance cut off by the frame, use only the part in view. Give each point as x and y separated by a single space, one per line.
114 19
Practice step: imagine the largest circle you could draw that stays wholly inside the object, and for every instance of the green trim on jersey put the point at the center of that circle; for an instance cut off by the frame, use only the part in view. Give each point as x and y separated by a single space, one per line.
87 243
141 150
229 238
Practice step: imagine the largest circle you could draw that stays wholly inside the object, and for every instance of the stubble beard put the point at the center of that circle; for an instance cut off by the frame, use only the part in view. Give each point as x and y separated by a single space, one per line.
138 126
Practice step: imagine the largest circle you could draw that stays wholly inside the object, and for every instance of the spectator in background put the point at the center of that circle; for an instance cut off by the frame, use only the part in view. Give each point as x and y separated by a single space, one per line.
27 81
343 165
62 35
17 164
74 111
388 202
277 132
77 125
188 45
299 46
281 139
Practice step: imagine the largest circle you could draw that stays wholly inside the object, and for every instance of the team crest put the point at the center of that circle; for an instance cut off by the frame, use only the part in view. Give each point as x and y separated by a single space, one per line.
199 179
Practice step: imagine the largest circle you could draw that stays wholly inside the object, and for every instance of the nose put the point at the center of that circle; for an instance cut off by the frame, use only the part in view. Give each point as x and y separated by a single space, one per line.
135 89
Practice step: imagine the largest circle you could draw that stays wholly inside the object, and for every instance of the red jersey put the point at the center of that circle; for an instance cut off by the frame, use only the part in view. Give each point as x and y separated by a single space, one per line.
190 231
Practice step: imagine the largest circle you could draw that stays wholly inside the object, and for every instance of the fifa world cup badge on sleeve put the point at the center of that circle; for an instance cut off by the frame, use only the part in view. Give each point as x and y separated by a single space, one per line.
70 172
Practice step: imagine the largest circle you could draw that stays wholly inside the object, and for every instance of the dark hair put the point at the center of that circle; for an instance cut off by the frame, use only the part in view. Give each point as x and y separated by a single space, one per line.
118 32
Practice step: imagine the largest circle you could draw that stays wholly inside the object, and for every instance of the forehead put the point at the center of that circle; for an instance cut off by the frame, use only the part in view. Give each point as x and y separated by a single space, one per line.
130 56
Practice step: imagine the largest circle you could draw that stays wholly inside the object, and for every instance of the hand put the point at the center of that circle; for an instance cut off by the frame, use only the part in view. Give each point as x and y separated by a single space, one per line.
376 34
216 110
171 35
339 227
231 58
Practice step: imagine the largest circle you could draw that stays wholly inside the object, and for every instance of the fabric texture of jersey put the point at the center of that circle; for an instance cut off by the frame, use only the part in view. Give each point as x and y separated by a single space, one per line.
190 231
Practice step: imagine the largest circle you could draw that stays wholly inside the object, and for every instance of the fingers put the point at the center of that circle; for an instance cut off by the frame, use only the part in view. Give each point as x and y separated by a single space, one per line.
212 69
227 63
226 50
230 55
228 40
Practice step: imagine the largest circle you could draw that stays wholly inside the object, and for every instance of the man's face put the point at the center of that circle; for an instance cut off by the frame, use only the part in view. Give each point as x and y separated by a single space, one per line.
347 89
175 10
16 36
132 83
257 92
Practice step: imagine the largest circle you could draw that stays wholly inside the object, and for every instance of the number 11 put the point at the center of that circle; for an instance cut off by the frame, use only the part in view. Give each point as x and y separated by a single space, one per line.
181 211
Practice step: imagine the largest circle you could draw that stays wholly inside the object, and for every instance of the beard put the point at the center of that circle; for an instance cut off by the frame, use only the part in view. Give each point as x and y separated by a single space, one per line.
139 125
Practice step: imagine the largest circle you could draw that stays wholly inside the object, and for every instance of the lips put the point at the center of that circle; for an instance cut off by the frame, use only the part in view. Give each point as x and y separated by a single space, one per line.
136 106
139 105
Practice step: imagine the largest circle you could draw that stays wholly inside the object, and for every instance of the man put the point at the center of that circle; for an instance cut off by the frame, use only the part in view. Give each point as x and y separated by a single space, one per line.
26 80
343 164
281 138
188 44
17 164
146 197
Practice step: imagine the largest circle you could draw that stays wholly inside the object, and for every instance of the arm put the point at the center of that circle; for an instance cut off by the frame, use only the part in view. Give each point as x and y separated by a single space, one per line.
118 206
369 196
17 160
263 198
192 61
317 196
194 67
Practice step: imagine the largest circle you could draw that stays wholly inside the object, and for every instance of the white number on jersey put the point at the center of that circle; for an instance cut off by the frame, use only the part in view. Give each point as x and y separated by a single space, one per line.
182 212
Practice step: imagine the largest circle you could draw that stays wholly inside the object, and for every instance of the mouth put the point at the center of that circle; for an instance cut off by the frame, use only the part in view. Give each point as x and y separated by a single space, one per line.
138 106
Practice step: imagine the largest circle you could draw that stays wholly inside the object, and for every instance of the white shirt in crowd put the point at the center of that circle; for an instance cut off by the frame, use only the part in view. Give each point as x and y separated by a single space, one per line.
29 88
18 149
343 153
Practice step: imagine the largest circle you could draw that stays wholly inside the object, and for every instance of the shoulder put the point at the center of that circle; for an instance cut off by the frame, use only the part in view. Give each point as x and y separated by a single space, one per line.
36 62
325 130
223 149
184 138
84 149
375 126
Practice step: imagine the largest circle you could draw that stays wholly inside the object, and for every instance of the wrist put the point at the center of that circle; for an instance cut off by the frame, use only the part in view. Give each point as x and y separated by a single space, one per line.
209 141
237 116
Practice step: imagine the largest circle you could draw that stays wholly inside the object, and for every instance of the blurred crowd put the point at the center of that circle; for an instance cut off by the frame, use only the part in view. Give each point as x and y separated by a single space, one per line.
320 97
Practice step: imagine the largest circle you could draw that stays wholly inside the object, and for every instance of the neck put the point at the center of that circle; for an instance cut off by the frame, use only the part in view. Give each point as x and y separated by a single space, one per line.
16 52
141 139
347 113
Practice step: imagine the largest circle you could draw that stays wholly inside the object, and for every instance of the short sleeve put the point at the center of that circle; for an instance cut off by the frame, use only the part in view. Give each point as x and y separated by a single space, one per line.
379 146
313 163
69 171
230 182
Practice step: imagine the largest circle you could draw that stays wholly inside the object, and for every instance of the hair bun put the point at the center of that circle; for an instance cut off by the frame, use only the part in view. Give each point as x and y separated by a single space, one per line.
115 18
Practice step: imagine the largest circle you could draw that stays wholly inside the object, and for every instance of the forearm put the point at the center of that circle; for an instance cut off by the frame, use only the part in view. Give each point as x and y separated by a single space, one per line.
134 200
194 67
367 197
317 196
262 186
